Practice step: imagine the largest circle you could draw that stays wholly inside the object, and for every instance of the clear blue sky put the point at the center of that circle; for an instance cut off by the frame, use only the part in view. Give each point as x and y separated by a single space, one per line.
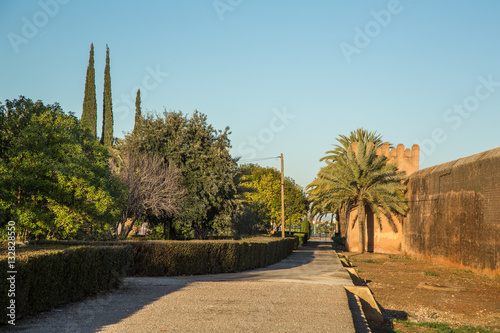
286 76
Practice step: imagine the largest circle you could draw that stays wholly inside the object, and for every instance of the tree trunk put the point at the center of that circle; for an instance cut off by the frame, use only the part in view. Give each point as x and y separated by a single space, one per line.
165 230
361 224
127 232
342 221
171 231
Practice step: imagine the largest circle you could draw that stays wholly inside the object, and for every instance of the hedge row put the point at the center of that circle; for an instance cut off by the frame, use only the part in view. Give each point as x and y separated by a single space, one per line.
301 238
45 279
49 278
172 258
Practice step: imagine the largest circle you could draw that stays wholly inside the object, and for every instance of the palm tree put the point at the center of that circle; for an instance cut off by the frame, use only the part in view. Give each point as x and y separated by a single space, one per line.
364 181
323 204
344 142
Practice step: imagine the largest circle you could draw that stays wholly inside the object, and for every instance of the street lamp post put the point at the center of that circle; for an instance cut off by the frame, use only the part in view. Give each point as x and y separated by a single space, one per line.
282 199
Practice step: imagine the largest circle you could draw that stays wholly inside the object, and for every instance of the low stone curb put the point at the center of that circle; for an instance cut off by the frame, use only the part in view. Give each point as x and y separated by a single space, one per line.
369 305
362 297
358 317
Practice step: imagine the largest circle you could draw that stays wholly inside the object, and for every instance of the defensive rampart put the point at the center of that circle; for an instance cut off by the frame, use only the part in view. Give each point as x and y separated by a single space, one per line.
454 214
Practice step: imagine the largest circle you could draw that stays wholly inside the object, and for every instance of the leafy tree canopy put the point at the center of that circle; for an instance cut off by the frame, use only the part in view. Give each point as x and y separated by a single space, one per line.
201 153
263 192
54 176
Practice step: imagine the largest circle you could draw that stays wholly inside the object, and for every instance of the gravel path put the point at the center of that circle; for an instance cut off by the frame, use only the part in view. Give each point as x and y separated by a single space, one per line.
302 293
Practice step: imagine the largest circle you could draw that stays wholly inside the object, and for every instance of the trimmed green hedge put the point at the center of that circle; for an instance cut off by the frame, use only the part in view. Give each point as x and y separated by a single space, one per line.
172 258
302 238
46 279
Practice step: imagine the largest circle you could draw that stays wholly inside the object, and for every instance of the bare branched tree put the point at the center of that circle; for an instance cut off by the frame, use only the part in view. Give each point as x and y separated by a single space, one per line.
153 188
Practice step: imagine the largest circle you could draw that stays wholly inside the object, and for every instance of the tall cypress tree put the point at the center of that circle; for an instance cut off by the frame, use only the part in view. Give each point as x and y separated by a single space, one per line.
138 113
107 110
89 113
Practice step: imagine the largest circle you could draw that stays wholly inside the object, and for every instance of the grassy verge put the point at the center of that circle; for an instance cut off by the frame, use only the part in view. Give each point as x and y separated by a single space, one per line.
405 326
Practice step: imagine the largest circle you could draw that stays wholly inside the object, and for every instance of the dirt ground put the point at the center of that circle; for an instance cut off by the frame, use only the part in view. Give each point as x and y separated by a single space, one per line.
421 291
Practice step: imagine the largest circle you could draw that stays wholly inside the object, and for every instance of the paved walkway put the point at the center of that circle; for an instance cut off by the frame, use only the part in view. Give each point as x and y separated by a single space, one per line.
302 293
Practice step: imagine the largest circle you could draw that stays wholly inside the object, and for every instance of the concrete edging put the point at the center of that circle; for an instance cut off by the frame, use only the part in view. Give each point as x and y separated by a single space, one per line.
363 294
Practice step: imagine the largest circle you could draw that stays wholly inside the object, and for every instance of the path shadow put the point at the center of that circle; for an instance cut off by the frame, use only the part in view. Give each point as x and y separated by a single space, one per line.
387 326
96 312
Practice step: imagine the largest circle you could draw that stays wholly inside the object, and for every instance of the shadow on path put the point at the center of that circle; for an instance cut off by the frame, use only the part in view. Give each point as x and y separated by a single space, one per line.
314 263
95 312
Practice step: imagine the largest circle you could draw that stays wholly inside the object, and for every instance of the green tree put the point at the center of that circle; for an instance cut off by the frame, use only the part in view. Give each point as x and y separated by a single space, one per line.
253 217
325 227
344 142
364 181
305 227
323 204
262 191
54 175
107 112
201 153
89 113
138 112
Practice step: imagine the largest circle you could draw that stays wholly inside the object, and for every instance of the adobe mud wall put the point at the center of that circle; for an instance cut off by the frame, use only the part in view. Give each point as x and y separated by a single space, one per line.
454 214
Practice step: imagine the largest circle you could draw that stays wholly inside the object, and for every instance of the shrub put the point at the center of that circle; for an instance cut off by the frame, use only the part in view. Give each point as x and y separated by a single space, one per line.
172 258
301 238
339 241
306 227
46 279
